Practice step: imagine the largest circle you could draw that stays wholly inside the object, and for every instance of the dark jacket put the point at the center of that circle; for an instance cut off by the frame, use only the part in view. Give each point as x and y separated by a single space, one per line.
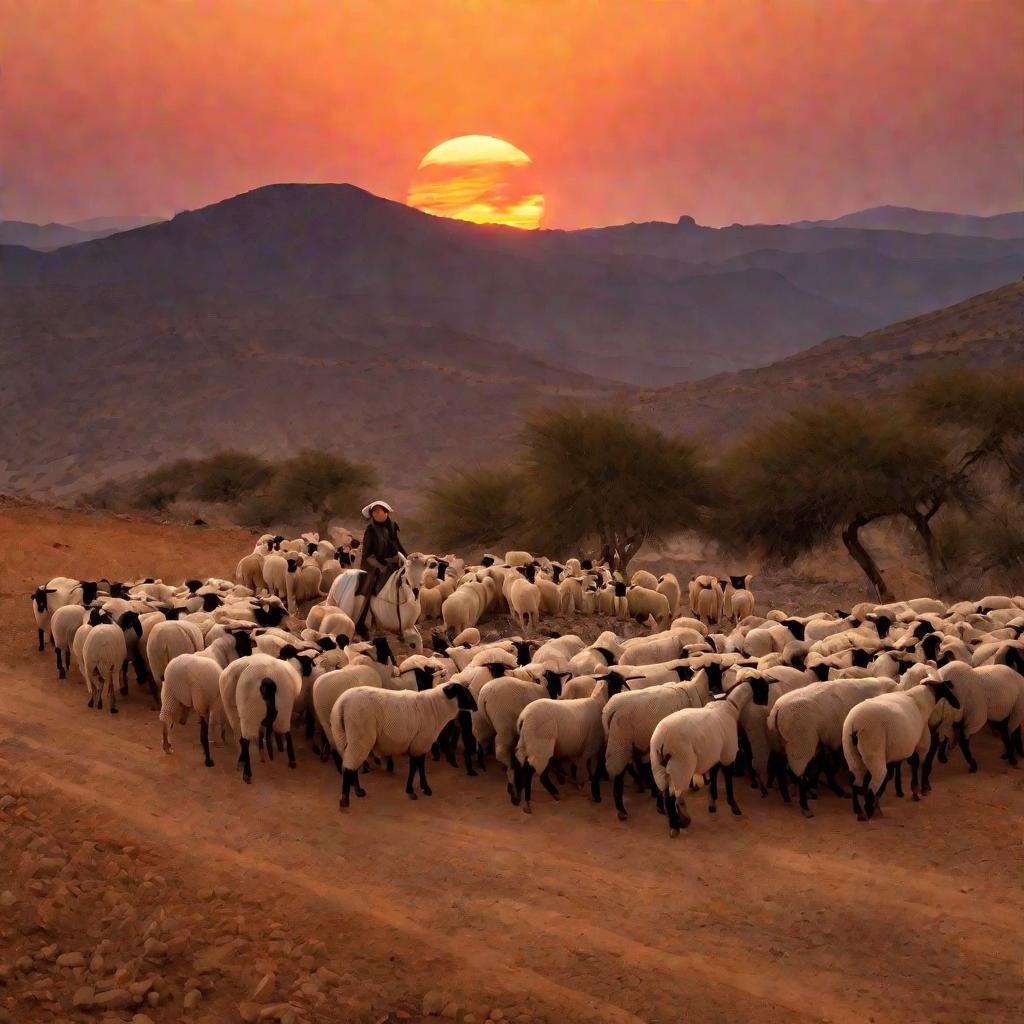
381 547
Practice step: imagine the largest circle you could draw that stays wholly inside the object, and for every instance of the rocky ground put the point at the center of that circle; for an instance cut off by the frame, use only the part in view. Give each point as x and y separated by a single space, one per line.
139 886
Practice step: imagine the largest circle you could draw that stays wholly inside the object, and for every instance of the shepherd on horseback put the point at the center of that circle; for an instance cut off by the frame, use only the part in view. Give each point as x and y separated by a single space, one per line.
381 548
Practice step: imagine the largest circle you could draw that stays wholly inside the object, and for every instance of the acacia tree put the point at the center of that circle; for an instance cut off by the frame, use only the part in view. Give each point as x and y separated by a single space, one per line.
597 474
314 484
839 466
475 507
982 417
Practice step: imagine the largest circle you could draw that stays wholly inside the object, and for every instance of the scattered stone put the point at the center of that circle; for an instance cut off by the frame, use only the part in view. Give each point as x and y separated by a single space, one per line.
6 801
263 989
140 988
451 1011
96 963
249 1012
7 898
497 1014
23 963
83 996
71 960
433 1003
193 997
470 1018
115 999
176 946
141 1018
154 948
48 952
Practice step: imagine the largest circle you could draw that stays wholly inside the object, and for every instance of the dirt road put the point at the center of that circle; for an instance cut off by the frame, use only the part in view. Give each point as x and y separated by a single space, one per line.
196 889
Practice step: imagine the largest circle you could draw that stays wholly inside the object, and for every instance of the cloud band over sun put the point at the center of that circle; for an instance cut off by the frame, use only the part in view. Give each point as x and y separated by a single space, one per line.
478 178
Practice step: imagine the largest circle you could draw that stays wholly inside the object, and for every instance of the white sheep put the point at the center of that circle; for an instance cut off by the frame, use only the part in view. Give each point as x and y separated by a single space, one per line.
523 596
167 640
105 654
601 654
629 720
265 696
887 730
987 694
279 573
644 602
190 681
500 703
651 650
364 720
562 728
810 720
64 623
691 742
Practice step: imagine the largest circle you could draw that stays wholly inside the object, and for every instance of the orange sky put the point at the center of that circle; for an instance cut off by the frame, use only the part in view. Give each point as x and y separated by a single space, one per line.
729 110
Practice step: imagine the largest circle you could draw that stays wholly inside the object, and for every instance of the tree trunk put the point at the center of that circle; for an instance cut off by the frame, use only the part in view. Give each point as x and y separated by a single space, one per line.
861 555
937 566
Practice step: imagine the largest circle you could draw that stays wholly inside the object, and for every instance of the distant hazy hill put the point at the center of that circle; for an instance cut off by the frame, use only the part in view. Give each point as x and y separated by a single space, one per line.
46 237
111 224
40 236
983 332
923 222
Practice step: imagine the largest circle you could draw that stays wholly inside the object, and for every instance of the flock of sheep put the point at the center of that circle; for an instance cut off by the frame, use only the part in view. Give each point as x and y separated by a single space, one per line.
713 689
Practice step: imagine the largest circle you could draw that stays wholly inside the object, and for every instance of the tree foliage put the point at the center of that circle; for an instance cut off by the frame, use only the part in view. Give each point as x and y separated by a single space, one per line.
475 508
839 466
587 478
315 484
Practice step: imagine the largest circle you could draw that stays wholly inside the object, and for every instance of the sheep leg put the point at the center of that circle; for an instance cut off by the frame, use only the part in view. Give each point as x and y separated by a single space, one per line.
435 751
672 813
468 740
870 799
348 776
290 748
337 760
926 768
915 761
965 749
898 778
389 765
421 767
1003 728
310 723
804 809
124 678
595 783
278 739
857 809
61 674
514 784
713 790
42 642
246 762
480 756
660 801
781 775
617 783
409 791
830 778
546 782
113 693
526 776
730 799
204 739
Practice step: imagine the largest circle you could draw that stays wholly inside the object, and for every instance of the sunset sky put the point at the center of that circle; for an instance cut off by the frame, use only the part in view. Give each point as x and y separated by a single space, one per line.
728 110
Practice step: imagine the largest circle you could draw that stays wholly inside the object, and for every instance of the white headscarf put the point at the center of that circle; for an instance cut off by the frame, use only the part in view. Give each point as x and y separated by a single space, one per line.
373 504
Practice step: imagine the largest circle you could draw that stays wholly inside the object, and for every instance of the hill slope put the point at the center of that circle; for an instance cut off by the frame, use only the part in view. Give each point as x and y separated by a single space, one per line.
983 332
924 222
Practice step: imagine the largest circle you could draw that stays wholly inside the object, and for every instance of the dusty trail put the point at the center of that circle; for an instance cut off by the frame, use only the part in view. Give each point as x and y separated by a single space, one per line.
567 915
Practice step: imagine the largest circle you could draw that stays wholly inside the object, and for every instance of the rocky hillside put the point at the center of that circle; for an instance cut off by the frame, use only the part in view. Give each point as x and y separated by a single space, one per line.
983 332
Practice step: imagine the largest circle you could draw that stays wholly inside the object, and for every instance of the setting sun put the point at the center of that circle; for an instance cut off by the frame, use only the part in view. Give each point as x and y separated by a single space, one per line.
481 179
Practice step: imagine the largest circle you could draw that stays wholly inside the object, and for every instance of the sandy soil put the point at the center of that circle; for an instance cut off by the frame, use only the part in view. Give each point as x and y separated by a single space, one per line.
184 891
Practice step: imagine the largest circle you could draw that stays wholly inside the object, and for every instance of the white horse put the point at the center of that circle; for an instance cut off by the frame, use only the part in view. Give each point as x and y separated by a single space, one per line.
396 609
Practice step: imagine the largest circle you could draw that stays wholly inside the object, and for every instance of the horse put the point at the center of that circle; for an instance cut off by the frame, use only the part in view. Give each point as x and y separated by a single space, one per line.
396 608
